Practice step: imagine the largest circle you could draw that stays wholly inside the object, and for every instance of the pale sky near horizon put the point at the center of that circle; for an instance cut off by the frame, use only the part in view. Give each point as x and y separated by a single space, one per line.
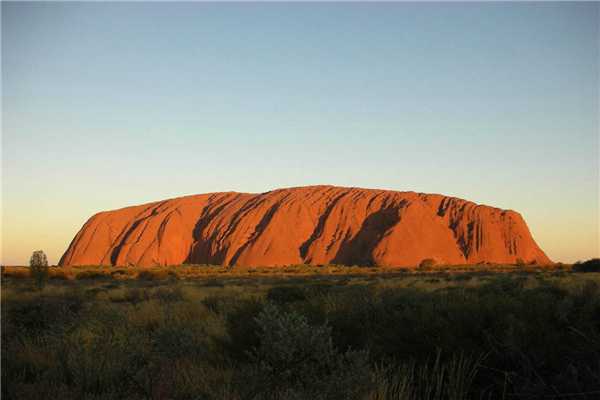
113 104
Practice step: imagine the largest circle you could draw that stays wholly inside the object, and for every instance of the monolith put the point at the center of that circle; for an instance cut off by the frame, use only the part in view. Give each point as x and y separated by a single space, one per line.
305 225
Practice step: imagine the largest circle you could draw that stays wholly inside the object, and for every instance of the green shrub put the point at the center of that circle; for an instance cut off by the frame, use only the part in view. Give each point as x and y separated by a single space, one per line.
16 274
462 277
134 296
91 275
119 273
149 275
285 294
427 263
297 360
168 294
146 276
59 276
34 315
240 319
213 282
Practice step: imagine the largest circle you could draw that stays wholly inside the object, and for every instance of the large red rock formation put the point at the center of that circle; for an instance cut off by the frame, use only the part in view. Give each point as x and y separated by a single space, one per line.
306 225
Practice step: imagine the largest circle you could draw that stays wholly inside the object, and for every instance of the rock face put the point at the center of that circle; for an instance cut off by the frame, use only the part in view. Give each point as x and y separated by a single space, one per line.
306 225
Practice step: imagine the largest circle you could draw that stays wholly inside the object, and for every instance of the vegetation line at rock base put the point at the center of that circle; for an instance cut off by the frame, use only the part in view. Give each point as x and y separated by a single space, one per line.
187 271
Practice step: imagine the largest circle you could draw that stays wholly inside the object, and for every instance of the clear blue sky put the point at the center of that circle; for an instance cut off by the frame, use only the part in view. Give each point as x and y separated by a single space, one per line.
107 105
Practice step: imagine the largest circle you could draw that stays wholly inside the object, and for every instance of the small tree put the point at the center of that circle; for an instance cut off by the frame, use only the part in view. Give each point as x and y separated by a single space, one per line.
38 268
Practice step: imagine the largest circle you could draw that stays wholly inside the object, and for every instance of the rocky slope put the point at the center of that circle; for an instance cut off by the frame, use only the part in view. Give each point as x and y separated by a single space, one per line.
306 225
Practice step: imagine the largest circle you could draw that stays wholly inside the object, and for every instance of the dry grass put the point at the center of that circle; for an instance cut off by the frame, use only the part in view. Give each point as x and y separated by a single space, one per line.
138 333
214 271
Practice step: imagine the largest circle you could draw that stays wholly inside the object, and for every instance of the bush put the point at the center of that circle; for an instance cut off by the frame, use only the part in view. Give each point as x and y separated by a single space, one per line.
297 360
119 274
285 294
40 313
38 268
462 277
16 273
168 294
148 275
89 275
59 276
427 263
591 265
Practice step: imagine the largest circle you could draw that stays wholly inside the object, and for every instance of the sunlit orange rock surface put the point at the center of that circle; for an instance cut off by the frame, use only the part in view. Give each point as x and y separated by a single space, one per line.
306 225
